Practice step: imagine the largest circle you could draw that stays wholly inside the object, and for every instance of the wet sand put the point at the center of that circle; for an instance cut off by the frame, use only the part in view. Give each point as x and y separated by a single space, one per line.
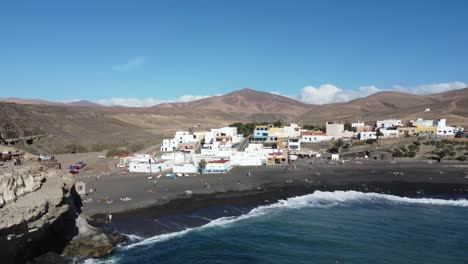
265 183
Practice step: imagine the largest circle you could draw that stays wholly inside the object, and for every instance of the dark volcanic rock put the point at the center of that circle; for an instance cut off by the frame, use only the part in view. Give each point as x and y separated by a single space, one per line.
89 243
52 257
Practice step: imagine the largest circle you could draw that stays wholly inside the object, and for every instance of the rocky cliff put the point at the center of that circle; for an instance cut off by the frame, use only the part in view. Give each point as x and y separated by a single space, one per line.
32 201
39 209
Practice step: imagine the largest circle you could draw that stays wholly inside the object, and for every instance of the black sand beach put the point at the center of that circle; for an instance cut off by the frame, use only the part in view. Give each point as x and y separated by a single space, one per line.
270 183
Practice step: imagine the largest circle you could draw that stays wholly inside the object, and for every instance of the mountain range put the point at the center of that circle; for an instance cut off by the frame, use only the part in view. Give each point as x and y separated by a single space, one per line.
85 122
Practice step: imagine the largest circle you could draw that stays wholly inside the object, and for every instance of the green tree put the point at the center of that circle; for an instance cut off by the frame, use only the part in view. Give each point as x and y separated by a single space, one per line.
202 165
278 123
378 134
397 153
338 144
245 129
441 154
413 148
347 126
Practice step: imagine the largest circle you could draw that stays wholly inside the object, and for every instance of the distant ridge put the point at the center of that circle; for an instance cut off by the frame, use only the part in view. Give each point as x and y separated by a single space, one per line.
89 123
82 103
27 101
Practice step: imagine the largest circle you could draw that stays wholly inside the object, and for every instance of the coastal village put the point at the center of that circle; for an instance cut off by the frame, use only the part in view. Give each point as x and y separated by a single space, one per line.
219 149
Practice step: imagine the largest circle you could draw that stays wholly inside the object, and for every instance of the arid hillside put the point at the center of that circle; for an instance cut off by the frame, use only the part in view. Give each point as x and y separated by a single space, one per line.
86 123
452 105
247 101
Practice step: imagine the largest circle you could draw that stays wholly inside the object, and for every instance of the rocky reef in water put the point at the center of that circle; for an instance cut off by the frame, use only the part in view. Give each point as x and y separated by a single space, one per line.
40 218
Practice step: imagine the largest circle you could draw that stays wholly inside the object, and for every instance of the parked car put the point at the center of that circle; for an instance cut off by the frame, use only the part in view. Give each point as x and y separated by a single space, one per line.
72 170
44 157
79 165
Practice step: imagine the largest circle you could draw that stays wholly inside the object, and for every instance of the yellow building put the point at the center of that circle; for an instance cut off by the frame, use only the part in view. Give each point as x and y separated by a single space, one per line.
274 130
277 158
427 130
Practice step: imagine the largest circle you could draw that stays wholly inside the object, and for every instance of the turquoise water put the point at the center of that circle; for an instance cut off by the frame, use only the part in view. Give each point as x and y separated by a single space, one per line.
323 227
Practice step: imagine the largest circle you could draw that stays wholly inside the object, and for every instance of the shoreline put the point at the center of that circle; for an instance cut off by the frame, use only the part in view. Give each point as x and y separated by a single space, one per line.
268 196
414 179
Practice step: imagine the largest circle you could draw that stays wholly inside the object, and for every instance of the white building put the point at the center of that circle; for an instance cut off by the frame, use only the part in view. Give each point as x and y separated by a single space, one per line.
185 168
248 159
358 124
314 136
292 128
253 147
336 130
208 137
226 133
294 143
146 167
174 157
446 130
169 145
367 135
190 138
387 123
389 133
179 135
217 166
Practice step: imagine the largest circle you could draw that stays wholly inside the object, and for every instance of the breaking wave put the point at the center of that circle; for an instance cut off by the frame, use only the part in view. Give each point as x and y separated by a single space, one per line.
317 199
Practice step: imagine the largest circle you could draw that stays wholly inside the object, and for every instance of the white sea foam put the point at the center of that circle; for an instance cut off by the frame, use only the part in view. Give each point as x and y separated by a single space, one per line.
100 261
317 199
133 238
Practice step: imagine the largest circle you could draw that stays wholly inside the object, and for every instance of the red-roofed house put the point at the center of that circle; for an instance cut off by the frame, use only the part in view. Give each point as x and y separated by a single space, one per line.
217 166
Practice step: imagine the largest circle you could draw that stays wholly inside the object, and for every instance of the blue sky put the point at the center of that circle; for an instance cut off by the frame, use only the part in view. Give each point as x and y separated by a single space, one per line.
152 51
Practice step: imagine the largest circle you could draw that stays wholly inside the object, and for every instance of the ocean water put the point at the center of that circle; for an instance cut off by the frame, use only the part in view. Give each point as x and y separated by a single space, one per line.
323 227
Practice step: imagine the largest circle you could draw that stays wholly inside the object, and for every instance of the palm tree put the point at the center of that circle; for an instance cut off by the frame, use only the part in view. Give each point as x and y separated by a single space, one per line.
379 134
202 165
338 144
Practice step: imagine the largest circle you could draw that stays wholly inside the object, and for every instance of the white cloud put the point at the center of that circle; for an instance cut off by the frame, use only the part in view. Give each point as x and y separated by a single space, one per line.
431 88
146 102
329 93
70 101
132 64
276 93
